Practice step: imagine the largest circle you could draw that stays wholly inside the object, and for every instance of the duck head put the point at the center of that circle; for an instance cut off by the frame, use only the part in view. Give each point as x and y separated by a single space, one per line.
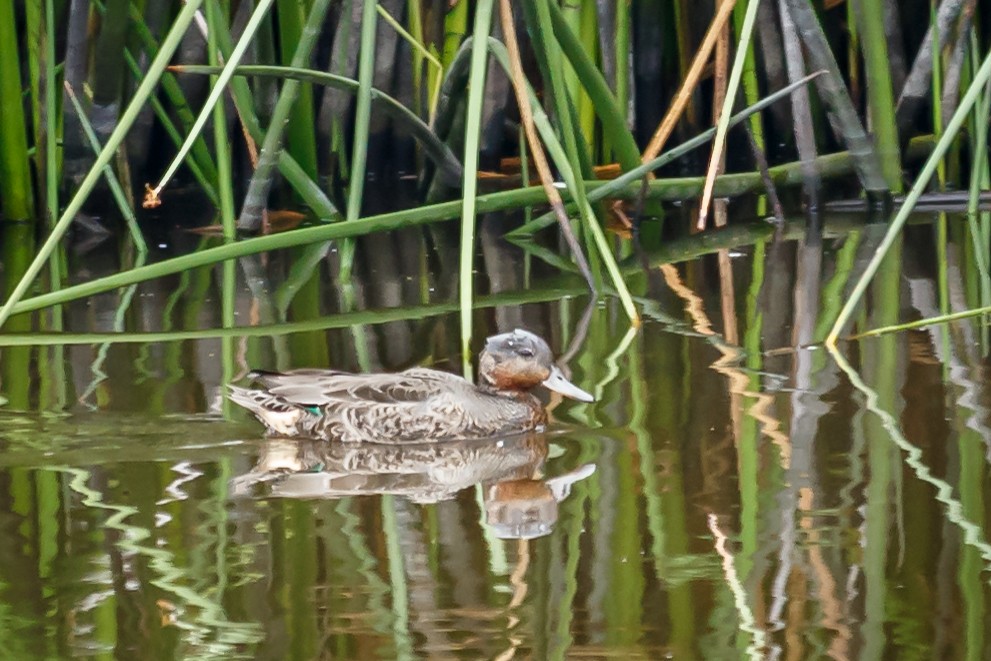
520 361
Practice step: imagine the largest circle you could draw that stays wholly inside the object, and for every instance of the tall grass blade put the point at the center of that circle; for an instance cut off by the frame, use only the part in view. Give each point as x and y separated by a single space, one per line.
218 89
362 121
220 142
300 132
722 126
141 95
981 78
751 85
548 55
473 130
577 186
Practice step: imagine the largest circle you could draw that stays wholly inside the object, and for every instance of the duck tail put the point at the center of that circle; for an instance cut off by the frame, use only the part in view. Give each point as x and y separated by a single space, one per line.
245 397
274 412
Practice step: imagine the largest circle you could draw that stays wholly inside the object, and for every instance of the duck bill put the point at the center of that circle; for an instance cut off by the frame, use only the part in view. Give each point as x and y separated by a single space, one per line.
558 383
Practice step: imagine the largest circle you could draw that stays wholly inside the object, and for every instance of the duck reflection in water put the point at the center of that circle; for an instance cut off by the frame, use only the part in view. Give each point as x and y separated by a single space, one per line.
519 503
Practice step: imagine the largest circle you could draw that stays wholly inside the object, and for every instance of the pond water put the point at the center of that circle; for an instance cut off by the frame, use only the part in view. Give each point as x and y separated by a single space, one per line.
732 492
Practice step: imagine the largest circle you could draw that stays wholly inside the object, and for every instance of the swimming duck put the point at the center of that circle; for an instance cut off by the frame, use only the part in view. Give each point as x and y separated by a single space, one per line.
418 404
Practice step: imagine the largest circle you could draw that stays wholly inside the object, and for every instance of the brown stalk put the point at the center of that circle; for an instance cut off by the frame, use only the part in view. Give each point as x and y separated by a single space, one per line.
719 81
717 159
539 158
684 94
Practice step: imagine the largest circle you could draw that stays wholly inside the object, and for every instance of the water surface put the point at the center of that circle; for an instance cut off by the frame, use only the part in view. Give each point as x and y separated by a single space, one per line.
732 492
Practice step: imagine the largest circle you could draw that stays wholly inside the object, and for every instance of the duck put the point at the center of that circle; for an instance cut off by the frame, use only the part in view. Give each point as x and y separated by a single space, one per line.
416 405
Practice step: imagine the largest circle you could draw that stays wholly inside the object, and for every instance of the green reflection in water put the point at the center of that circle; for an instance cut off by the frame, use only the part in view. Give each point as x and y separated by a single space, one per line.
851 521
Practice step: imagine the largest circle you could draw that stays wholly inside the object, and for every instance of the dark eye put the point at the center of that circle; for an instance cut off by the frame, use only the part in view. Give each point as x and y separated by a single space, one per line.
526 352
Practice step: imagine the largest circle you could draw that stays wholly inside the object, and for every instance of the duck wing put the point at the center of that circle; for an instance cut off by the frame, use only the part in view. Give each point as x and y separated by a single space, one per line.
330 388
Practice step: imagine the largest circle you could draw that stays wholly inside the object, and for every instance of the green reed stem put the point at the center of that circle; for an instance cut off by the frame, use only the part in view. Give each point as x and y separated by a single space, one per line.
918 188
473 131
295 45
15 169
880 95
221 144
35 38
141 95
362 121
455 28
51 116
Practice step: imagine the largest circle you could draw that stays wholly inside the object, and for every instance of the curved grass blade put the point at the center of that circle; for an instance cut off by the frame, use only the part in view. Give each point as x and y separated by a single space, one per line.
115 189
298 237
141 95
611 115
435 148
880 93
981 78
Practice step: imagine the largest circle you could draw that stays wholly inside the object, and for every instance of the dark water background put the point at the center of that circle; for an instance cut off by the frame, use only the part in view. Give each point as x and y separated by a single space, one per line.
726 496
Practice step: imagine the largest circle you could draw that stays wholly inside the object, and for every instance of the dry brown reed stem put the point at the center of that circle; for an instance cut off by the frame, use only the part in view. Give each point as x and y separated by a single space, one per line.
539 158
719 81
684 94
